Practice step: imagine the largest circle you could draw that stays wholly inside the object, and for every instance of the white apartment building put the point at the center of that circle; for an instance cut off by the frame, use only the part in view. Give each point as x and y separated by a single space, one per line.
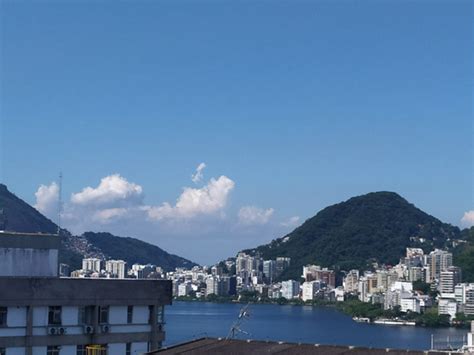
438 261
447 306
351 281
411 304
398 291
309 289
449 278
184 289
363 289
117 268
91 264
290 289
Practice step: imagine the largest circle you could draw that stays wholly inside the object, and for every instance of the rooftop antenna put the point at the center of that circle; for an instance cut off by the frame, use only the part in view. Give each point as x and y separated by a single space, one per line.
235 329
60 200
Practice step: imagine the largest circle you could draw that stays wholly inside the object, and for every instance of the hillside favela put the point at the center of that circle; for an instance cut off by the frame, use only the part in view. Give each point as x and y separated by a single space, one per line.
236 177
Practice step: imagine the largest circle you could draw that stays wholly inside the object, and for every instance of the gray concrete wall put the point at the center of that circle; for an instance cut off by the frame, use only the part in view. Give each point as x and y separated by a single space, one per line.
44 291
23 254
28 262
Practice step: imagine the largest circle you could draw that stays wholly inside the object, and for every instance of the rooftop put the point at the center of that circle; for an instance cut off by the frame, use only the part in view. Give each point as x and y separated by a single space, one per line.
227 346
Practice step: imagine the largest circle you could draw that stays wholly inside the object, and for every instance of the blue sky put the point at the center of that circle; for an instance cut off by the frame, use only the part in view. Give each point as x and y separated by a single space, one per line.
299 104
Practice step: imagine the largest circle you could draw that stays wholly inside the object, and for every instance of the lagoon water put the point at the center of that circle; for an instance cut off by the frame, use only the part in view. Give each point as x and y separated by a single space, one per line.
305 324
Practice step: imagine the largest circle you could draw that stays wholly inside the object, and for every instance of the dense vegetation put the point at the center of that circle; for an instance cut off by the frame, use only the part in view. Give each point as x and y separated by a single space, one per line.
374 227
21 217
464 255
135 251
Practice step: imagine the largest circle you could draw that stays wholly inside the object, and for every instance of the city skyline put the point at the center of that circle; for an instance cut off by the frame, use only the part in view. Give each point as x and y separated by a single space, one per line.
174 132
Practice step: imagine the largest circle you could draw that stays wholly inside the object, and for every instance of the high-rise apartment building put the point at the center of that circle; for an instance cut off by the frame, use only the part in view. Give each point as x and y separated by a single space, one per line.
438 260
290 289
449 278
116 268
351 281
91 264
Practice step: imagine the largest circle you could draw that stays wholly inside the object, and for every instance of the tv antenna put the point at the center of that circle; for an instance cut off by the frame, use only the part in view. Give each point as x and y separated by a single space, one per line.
60 200
236 327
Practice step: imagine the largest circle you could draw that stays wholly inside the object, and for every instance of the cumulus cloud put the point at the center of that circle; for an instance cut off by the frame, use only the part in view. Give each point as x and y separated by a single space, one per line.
291 222
47 197
207 200
119 204
468 218
252 215
109 214
198 174
112 190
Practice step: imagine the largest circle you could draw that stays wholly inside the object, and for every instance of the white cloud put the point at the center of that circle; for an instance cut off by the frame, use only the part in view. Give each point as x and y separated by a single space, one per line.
47 199
291 222
108 214
251 215
207 200
468 218
198 175
112 190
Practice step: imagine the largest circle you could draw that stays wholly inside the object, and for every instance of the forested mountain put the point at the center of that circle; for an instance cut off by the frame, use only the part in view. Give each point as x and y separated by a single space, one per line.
18 216
378 226
135 251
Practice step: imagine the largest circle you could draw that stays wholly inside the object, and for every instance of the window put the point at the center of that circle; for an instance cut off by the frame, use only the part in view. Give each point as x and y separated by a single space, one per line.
53 350
54 316
81 318
3 317
103 314
130 314
81 350
128 349
85 315
3 351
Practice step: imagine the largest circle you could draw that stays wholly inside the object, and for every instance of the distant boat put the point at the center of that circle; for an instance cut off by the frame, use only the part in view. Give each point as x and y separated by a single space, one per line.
361 319
393 322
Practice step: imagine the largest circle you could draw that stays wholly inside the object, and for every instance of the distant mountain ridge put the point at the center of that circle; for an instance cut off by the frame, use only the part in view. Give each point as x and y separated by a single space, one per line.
378 226
21 217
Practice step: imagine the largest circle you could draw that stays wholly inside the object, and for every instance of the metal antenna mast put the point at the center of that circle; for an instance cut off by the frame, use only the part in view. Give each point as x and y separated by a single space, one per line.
235 329
60 200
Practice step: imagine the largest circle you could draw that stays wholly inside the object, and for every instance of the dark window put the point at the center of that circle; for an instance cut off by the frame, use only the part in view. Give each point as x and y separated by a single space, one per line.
130 314
85 315
81 350
52 350
3 317
3 351
128 349
81 318
54 315
103 314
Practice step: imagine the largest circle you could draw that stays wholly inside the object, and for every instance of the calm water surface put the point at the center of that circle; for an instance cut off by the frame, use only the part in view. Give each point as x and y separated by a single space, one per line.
188 320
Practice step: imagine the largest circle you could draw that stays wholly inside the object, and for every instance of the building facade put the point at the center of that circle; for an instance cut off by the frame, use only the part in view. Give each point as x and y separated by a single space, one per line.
42 314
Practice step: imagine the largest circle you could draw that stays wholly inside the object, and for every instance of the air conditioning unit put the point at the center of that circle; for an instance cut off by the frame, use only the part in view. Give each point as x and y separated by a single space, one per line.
53 331
104 328
57 330
88 329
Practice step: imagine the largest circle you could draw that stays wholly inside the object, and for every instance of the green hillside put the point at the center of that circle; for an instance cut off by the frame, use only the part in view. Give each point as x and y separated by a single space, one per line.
464 255
135 251
374 227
